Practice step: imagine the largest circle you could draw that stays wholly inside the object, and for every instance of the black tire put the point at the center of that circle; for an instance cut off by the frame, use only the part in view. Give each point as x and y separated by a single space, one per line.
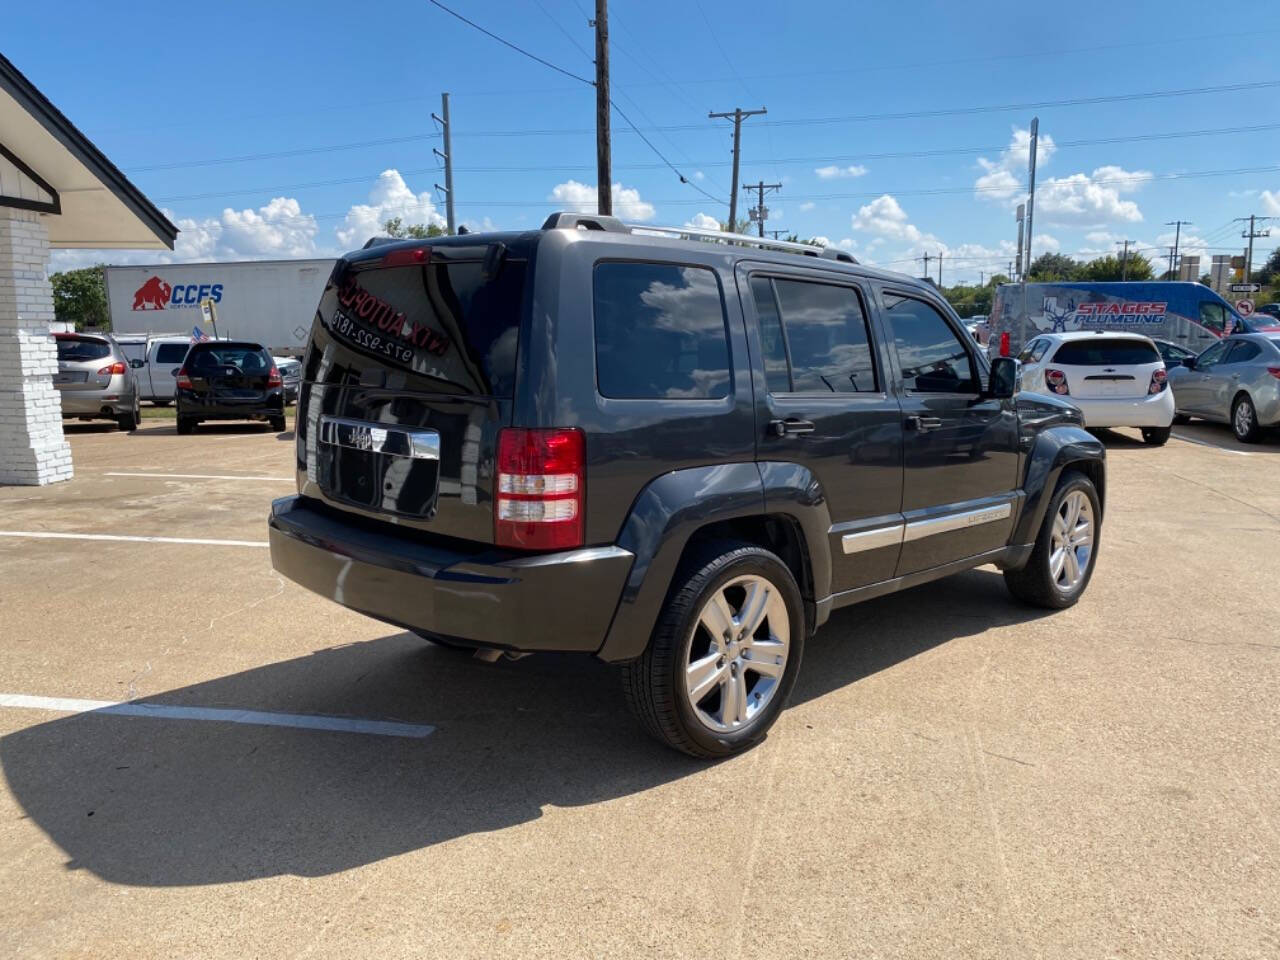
278 424
654 683
1244 419
1156 436
185 425
1035 583
128 421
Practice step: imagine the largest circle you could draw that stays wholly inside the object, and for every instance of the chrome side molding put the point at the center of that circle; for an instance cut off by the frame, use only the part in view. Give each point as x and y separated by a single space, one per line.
900 533
412 442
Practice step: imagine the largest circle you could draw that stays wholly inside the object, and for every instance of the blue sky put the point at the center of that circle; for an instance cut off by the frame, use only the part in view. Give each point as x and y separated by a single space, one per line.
165 88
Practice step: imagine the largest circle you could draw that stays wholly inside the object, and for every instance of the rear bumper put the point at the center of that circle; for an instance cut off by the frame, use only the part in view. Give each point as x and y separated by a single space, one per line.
1149 411
551 602
271 406
107 402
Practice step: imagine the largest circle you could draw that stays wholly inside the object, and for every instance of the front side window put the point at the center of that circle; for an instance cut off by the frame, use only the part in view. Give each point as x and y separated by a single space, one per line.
933 359
1213 355
826 337
660 332
1213 317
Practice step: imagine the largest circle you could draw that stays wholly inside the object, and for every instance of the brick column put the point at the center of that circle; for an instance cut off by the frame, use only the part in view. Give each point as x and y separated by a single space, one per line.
32 447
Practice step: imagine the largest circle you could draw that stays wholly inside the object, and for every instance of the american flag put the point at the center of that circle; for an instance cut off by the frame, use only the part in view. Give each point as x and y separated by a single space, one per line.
197 336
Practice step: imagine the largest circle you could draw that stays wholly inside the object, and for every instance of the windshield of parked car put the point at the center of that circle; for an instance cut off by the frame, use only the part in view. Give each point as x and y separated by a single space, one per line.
76 350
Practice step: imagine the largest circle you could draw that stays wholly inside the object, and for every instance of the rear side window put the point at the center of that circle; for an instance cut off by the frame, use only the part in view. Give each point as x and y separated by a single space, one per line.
932 357
1105 353
826 337
75 350
171 352
660 332
1243 352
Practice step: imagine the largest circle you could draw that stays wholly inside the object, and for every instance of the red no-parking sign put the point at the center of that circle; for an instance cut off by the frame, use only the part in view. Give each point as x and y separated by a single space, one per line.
1244 307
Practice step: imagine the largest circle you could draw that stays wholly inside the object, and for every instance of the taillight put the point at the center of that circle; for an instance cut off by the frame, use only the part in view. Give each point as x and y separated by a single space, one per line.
539 501
1056 381
273 378
183 379
113 369
1274 371
1159 380
407 258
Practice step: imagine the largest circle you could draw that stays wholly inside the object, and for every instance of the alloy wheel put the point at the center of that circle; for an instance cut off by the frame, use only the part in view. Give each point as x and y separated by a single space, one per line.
1072 545
737 653
1243 417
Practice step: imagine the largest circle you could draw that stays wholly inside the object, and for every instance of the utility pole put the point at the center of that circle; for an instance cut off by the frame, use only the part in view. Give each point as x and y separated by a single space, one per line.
1177 236
737 117
604 146
1031 197
760 213
980 276
925 258
1172 251
1251 233
939 269
1124 260
447 157
1011 270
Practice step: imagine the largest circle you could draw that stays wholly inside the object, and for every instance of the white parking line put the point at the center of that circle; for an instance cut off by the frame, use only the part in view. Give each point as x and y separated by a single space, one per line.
1213 446
163 711
194 476
50 535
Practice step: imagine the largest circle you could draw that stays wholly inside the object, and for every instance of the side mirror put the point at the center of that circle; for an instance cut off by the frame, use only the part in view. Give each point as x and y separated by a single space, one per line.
136 364
1006 375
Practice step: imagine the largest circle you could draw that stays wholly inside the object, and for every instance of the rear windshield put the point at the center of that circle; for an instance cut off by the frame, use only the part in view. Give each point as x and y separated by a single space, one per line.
75 350
244 357
448 321
1105 353
172 352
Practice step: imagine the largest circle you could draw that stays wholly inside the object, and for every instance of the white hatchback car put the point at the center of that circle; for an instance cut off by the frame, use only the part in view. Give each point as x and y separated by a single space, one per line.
1116 379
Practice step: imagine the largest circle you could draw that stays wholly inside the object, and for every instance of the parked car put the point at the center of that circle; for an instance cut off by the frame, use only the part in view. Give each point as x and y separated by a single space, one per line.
1173 354
1268 311
158 370
291 373
229 380
1116 379
674 453
1235 381
95 381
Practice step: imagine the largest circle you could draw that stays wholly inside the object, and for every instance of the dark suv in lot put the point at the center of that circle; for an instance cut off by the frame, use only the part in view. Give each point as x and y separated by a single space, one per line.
675 451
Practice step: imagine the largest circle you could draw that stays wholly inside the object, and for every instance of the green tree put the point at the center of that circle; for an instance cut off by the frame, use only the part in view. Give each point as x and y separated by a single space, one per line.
1108 269
1269 272
996 280
396 227
1054 266
80 296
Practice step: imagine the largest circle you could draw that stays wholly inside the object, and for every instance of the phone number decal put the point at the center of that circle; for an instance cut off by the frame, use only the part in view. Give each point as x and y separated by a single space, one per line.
348 329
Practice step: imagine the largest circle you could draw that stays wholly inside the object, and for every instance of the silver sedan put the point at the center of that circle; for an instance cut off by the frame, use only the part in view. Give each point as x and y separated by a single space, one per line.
1236 381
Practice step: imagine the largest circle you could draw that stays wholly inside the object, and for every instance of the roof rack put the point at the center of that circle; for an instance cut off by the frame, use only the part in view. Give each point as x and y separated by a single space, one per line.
746 240
591 221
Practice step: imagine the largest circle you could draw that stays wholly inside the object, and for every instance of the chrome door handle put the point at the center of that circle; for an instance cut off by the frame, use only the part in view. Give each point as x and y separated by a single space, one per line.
923 424
790 427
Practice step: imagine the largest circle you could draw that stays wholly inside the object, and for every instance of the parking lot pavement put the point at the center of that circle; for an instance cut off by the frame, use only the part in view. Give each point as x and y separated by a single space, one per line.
957 775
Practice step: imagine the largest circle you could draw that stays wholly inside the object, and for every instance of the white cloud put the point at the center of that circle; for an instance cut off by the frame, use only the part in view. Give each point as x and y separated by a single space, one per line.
847 243
1005 176
884 217
821 241
389 198
702 221
277 230
1091 198
807 206
582 198
840 173
1271 203
1045 243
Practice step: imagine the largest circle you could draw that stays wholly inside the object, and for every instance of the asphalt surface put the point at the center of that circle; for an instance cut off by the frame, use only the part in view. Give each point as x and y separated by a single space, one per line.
957 775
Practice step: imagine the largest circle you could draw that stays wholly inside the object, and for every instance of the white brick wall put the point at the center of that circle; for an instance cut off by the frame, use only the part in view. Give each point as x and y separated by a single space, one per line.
32 447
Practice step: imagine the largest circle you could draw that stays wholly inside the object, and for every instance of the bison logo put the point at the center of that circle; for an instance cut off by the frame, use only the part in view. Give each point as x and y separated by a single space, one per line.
152 295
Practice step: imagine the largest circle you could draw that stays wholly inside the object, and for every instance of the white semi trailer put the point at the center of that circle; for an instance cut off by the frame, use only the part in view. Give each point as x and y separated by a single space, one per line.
271 302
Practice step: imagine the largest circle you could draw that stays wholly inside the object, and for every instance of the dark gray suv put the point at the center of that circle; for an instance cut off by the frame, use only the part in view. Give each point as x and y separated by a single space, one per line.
676 451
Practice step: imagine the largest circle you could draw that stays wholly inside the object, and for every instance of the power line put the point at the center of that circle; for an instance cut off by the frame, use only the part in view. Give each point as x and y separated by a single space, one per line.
507 43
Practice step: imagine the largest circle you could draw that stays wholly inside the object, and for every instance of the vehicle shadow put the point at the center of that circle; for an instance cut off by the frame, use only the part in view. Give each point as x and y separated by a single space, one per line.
74 427
162 802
